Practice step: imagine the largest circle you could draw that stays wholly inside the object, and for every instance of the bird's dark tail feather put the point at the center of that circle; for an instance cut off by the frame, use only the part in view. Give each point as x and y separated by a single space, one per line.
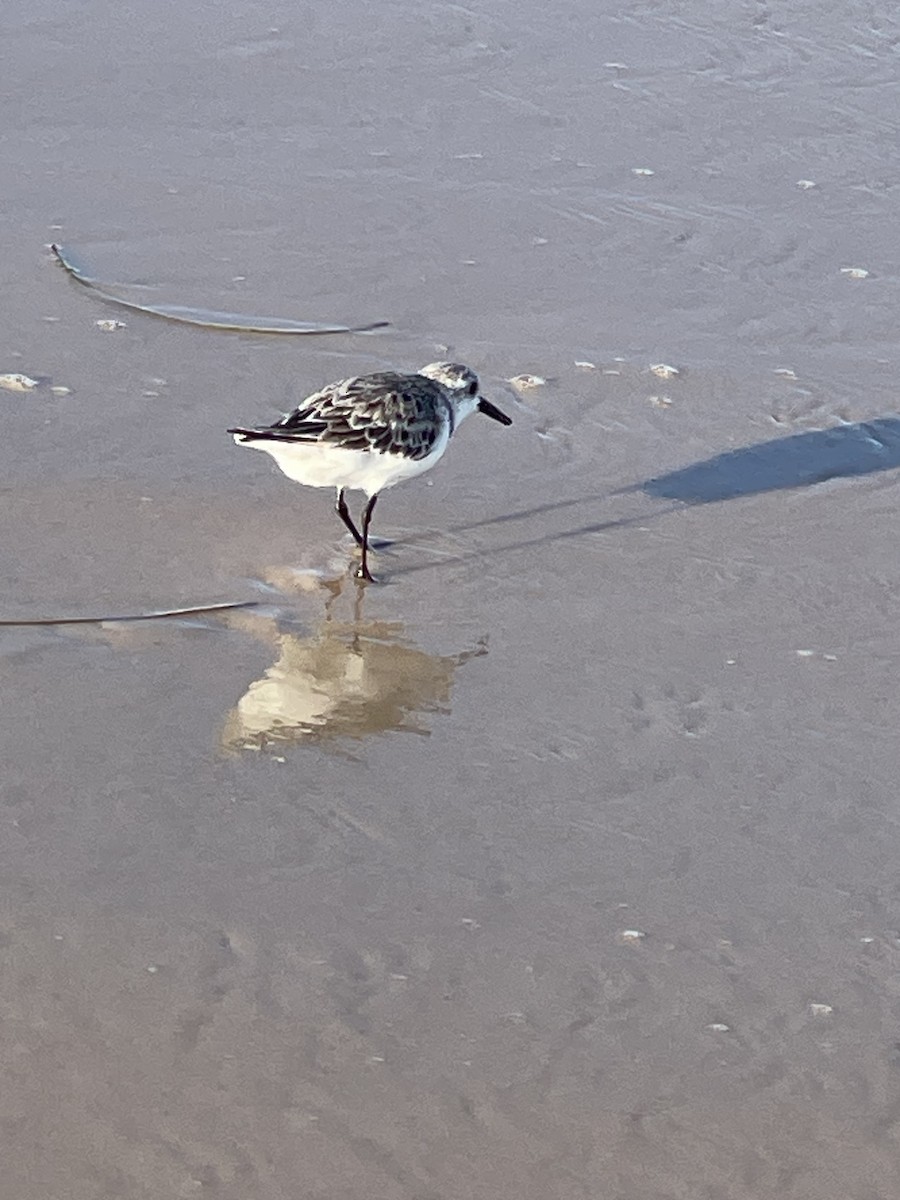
279 435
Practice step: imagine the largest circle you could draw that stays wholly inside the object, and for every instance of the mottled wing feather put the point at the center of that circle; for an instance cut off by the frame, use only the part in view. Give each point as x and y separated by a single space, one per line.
386 412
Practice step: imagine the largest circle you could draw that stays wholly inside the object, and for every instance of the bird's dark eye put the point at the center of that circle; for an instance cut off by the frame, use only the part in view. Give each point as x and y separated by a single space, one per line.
472 389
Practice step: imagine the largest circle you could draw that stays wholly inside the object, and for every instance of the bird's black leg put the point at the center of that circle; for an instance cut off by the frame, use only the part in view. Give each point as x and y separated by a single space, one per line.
363 570
340 507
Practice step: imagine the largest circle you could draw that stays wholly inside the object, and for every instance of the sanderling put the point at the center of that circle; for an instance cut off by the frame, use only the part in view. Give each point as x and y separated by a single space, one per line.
370 432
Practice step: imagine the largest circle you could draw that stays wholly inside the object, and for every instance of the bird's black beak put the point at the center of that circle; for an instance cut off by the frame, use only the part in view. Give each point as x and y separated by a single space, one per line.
491 410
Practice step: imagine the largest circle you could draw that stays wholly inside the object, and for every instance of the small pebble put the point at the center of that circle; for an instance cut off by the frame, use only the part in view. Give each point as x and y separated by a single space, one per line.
642 171
718 1027
785 372
523 382
109 325
664 371
806 184
585 365
61 390
15 382
821 1010
515 1018
632 935
855 272
661 401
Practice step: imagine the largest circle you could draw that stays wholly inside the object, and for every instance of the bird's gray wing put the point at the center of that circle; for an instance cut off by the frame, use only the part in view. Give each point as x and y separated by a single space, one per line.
386 412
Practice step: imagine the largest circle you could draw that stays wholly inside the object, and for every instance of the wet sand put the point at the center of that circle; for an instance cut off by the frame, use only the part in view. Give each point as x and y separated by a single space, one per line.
563 863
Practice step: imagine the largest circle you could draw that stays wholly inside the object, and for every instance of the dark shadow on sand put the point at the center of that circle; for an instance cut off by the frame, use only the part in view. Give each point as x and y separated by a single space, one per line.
801 460
797 461
533 542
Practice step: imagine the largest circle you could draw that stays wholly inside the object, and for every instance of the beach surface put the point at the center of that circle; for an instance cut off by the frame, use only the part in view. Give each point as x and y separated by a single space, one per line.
562 864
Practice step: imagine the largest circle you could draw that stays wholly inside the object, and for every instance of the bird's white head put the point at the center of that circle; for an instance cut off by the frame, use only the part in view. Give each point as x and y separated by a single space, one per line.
465 395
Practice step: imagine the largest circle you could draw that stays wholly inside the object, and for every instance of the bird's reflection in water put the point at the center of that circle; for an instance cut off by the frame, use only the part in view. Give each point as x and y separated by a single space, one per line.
347 680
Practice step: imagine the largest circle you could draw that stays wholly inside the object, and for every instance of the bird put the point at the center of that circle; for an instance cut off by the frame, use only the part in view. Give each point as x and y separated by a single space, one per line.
370 432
